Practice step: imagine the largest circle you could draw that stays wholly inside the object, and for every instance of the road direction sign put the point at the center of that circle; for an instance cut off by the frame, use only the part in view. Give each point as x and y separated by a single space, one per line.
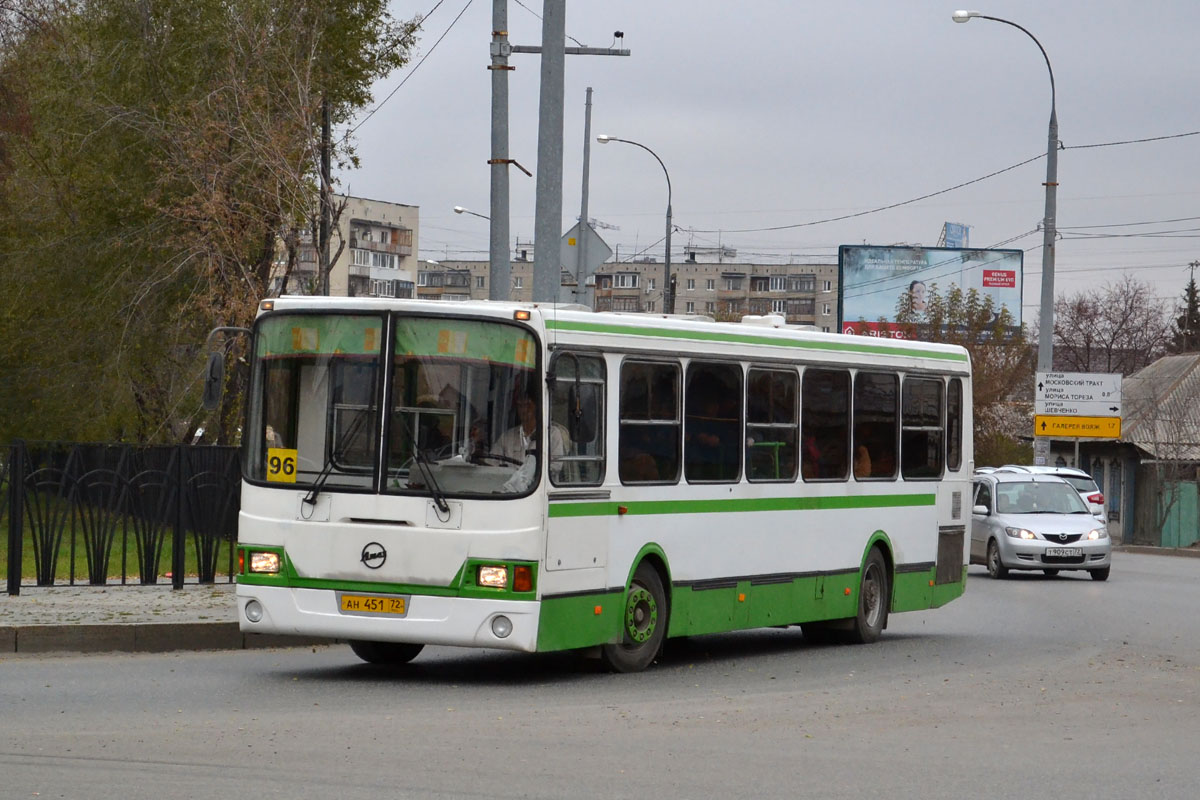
1077 427
1077 394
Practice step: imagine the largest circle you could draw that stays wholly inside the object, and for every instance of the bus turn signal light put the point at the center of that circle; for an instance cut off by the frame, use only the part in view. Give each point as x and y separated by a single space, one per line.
522 579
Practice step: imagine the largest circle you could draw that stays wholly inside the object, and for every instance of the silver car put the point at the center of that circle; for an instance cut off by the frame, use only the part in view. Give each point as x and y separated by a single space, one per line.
1035 521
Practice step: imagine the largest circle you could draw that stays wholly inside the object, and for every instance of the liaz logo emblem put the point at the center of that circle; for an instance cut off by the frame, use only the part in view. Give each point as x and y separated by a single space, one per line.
373 555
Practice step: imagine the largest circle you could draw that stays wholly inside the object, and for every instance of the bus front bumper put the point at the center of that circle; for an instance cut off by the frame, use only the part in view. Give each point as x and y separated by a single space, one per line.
457 621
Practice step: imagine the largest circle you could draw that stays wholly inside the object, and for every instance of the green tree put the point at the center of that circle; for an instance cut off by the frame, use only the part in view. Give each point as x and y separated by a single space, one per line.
1185 334
151 155
1002 366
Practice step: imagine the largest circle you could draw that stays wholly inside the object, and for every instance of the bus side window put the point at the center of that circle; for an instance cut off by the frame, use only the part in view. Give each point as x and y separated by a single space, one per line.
712 422
922 437
876 424
772 415
825 424
954 425
649 423
577 412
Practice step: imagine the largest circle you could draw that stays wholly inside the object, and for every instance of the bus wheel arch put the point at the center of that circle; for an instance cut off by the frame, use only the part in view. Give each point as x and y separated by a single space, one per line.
645 615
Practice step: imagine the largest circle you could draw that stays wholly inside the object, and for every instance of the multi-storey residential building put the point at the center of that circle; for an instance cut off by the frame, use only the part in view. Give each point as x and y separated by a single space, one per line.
804 294
373 246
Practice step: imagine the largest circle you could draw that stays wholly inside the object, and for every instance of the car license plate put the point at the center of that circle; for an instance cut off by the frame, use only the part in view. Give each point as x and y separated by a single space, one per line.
373 604
1064 552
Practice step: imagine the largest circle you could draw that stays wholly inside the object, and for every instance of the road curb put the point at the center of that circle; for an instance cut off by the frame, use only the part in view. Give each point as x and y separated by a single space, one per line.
158 637
1149 550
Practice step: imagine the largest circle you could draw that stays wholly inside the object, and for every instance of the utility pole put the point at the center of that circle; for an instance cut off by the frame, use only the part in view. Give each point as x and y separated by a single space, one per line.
582 292
547 272
499 264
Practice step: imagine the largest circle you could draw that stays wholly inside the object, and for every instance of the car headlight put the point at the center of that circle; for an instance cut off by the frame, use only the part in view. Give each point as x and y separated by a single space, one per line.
1020 533
1098 533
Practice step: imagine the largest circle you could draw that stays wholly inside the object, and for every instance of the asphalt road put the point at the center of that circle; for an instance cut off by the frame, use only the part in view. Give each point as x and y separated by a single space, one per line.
1031 687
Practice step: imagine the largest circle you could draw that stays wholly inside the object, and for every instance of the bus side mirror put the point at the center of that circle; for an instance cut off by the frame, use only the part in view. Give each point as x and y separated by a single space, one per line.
214 379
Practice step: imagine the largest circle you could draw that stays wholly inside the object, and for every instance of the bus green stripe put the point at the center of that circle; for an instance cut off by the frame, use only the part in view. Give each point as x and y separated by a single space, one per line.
744 338
651 507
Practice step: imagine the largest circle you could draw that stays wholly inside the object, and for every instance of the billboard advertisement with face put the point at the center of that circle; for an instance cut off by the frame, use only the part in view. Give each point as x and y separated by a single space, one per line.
875 279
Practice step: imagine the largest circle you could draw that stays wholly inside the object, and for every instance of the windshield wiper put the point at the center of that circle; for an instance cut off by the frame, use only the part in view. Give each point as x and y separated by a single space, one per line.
439 497
339 451
421 459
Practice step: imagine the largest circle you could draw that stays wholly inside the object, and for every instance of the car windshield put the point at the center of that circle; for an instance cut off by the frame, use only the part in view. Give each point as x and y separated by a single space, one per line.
1040 497
463 407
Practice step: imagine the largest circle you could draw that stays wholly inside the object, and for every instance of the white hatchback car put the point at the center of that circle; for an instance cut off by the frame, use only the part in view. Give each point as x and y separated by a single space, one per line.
1025 520
1083 483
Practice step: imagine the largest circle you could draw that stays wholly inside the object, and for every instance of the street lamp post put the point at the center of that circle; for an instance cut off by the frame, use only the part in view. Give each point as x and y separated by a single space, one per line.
668 295
461 210
1046 324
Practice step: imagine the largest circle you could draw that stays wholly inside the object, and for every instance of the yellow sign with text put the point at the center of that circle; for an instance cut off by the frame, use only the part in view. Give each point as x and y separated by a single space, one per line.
1078 427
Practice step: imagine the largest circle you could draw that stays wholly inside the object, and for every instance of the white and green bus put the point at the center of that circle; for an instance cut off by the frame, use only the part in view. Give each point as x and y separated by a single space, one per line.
536 478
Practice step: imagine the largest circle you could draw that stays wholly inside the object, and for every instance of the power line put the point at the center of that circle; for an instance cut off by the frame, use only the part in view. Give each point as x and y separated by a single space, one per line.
412 71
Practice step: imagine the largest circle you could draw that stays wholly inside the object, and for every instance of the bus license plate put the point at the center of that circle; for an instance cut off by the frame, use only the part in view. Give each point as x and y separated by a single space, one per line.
1064 552
373 604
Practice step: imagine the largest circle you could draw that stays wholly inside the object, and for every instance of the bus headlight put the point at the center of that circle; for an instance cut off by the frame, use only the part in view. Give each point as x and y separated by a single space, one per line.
501 626
494 576
264 562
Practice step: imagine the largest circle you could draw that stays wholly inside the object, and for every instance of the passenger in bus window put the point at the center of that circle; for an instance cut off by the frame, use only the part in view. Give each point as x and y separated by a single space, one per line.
862 462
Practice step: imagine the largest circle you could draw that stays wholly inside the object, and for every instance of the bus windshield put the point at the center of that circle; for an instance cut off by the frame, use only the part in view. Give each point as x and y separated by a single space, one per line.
463 410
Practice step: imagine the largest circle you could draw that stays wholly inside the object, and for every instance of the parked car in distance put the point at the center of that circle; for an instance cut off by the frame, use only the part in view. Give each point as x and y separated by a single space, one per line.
1083 483
1028 520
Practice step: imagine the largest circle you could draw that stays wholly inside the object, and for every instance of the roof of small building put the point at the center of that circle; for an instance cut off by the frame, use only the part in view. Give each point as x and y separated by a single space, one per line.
1161 407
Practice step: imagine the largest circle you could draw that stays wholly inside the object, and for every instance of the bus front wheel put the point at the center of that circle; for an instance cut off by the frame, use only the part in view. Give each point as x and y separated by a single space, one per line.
385 652
643 623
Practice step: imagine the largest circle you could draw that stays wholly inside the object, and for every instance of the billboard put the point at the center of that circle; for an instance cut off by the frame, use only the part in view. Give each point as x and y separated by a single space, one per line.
874 279
955 234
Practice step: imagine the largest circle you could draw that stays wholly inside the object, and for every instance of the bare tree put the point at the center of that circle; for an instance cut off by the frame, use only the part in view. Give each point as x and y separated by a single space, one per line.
1120 327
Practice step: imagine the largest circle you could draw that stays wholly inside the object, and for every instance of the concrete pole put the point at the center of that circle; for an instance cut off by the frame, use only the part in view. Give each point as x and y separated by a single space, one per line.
547 271
499 265
584 294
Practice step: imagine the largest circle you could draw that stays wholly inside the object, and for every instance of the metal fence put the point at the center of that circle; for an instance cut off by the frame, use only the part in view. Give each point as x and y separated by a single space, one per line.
129 510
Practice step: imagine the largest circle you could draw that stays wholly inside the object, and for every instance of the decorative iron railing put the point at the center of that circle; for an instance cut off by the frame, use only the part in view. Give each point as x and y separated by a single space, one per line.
124 508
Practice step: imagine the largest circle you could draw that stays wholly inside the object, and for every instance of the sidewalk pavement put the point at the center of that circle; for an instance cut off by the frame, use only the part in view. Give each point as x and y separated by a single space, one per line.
48 619
133 619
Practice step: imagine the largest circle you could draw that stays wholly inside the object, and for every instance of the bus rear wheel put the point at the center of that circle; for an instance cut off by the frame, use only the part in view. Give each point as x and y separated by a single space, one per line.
385 653
874 598
643 623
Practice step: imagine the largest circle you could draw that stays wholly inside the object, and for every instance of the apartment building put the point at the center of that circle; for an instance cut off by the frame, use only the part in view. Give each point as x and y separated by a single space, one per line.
373 246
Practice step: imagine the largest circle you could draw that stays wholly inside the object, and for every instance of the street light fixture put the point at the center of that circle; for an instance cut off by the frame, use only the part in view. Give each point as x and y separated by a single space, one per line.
461 210
669 303
1046 324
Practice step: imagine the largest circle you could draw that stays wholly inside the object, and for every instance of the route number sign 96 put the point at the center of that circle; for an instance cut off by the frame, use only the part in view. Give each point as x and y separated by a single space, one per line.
281 465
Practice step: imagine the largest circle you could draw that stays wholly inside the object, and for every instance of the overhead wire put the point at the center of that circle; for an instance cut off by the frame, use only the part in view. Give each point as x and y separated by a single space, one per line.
412 71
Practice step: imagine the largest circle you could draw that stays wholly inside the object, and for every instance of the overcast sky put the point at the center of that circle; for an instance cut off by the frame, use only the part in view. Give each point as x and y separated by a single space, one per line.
785 112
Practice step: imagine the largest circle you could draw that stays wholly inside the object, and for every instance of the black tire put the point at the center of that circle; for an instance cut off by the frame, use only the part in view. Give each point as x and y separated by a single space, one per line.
386 653
1050 572
1100 574
995 567
643 623
874 599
